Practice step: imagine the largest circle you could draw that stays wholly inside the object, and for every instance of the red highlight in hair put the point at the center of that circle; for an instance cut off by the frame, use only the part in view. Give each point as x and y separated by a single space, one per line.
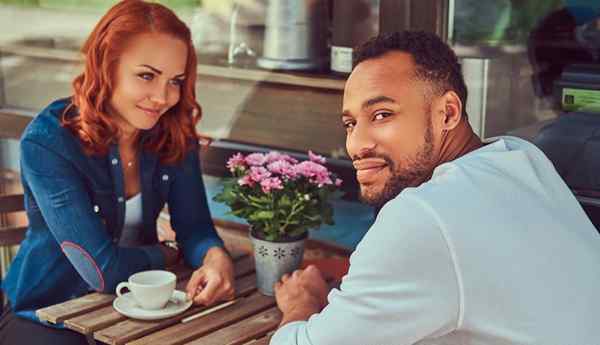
175 132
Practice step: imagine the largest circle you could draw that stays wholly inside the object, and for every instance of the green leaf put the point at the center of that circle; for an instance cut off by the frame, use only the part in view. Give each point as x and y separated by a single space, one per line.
262 215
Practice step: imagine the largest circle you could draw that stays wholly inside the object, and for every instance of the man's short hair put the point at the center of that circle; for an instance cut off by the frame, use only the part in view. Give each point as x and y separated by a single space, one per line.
435 61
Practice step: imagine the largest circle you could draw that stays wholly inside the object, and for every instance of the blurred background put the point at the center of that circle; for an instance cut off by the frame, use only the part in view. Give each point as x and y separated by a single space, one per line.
271 72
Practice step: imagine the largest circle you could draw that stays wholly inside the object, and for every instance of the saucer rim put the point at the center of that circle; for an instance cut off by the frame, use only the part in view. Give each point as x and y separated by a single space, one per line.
149 314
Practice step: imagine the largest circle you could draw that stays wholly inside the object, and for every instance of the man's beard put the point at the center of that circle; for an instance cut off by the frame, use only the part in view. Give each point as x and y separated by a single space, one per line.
411 174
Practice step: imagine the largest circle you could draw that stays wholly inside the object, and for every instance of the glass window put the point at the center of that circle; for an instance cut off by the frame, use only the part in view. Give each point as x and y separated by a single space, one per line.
517 53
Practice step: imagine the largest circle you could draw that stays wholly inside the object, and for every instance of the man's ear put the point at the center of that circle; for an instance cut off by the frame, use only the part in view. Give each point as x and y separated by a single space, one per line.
448 111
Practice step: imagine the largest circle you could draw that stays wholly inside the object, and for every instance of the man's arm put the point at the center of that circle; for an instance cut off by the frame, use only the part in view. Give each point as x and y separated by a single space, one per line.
401 288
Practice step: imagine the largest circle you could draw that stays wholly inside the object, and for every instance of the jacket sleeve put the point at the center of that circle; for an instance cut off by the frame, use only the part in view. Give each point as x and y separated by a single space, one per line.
60 192
188 208
401 288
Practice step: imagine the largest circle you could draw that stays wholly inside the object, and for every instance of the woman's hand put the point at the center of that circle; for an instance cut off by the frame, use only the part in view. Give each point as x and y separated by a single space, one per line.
214 281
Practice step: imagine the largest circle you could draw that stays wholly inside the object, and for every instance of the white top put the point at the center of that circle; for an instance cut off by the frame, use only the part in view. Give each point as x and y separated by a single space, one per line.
494 249
133 222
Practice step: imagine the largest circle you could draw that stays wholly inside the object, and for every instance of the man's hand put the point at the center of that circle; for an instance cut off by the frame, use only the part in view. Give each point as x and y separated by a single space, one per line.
301 294
214 281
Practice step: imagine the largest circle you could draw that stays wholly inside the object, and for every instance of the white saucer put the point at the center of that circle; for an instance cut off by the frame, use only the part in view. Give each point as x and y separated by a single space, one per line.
126 305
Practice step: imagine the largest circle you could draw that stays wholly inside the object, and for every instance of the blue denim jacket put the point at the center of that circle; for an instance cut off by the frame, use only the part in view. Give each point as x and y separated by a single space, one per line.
75 205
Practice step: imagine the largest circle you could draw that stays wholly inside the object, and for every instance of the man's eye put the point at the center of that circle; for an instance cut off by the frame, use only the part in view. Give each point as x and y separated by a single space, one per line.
348 125
381 115
146 76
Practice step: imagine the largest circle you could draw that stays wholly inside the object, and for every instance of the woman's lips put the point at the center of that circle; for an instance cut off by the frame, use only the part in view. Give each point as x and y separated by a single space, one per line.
368 169
150 112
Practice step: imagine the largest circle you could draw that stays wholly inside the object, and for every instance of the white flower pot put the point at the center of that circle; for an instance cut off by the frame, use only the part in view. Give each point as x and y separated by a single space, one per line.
274 259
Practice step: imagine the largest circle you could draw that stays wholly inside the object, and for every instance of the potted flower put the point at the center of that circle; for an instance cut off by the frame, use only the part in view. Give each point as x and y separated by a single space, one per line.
281 198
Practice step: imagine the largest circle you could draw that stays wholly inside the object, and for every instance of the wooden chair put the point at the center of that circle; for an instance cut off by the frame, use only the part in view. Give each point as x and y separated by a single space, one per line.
11 235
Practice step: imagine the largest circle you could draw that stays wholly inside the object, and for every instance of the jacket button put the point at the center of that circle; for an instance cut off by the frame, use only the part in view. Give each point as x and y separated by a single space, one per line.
165 177
121 199
114 161
96 208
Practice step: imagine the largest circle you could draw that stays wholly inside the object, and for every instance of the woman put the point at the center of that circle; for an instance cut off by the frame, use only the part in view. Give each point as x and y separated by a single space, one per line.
97 169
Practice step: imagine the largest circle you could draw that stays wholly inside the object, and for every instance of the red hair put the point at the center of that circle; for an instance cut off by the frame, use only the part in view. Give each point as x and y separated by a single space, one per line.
175 132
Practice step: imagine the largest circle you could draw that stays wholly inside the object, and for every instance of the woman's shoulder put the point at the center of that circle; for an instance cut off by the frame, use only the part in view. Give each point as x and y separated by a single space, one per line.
45 128
46 124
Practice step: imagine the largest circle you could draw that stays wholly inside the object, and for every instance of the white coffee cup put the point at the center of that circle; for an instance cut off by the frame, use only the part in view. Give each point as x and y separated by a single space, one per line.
151 290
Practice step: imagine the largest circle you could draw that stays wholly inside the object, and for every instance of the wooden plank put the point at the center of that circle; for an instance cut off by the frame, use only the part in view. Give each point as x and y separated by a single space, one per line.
262 341
243 331
130 329
184 332
11 236
59 312
12 203
107 316
95 320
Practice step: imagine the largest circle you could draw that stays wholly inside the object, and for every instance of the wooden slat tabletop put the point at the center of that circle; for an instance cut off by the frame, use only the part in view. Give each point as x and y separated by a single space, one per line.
60 312
262 341
242 332
184 332
131 329
251 319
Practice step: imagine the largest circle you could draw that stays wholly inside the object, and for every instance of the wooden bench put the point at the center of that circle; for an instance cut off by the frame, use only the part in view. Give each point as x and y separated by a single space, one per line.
11 232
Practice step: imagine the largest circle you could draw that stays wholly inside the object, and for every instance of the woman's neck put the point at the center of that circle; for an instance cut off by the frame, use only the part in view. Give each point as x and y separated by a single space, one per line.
128 138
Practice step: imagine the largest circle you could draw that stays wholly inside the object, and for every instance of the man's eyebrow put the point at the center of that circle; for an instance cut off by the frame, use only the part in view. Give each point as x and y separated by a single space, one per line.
157 71
376 100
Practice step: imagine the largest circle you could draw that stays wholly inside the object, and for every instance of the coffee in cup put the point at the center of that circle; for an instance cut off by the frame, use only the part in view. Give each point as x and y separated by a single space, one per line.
151 290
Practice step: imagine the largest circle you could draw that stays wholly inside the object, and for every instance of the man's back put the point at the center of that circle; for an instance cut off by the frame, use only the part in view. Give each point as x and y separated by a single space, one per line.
494 249
526 257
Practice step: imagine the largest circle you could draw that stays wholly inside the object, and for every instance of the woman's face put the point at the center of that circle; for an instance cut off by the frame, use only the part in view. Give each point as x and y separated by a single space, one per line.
149 78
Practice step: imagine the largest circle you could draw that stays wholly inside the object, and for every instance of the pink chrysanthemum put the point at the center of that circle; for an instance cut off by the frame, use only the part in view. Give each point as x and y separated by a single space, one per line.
283 168
316 158
256 159
271 183
258 174
274 156
236 161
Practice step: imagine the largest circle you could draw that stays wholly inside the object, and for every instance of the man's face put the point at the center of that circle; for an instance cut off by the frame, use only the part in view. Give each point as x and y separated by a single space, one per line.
389 130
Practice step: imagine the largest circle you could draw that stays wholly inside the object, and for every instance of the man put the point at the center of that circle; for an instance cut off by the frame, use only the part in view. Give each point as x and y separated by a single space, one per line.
476 243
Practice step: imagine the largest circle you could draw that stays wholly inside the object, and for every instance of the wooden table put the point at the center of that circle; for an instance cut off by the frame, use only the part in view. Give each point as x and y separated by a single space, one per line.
251 320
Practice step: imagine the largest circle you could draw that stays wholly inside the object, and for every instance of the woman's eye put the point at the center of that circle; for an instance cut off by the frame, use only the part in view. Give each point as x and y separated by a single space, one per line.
177 82
146 76
348 125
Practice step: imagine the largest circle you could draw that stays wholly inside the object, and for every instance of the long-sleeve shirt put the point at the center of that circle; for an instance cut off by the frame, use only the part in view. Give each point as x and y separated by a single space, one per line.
75 206
494 249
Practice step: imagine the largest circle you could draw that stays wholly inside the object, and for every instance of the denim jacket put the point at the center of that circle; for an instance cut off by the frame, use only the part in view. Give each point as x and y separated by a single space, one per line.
75 205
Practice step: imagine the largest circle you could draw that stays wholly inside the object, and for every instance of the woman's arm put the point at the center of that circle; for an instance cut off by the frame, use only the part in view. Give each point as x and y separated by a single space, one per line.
190 216
59 190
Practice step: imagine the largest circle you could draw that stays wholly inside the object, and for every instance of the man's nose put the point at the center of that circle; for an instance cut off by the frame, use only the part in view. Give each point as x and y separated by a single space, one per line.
359 142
